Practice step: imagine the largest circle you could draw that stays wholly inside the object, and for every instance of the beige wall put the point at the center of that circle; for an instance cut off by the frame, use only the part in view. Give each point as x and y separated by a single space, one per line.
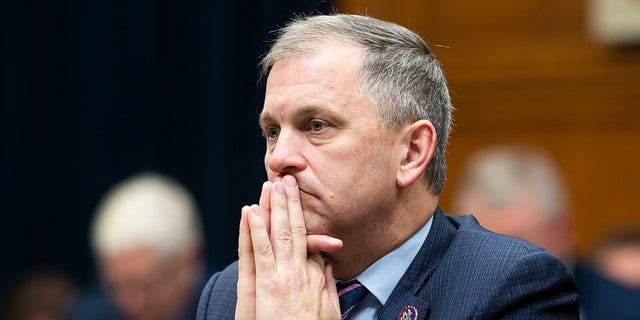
529 71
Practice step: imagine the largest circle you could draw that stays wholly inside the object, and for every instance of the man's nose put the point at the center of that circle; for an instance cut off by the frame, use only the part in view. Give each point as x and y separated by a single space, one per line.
287 154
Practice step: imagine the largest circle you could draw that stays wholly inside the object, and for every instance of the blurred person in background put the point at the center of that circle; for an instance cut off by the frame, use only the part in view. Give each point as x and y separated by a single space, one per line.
518 190
45 293
609 280
148 244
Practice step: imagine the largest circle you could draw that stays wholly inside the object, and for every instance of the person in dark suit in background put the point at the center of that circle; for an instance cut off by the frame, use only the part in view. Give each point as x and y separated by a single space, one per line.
609 278
148 243
356 118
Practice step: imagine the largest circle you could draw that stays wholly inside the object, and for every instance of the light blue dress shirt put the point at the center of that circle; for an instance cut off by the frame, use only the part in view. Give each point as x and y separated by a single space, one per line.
383 276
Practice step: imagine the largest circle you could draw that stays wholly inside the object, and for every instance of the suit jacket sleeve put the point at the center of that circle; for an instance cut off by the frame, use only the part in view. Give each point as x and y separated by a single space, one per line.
218 299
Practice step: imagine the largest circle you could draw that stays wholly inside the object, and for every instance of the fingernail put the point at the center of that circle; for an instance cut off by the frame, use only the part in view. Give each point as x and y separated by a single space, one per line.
279 188
290 181
255 210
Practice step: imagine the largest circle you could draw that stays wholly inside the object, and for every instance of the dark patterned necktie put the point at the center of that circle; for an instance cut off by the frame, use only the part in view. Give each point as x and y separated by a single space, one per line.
350 294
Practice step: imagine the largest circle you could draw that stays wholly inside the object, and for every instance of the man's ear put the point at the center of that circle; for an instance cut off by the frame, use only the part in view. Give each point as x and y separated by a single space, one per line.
419 141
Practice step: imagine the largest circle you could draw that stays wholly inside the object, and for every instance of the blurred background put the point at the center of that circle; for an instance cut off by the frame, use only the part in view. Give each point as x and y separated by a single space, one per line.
93 92
543 73
96 91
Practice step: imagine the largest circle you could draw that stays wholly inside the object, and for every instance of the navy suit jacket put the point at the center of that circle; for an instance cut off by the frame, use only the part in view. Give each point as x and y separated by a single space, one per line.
462 271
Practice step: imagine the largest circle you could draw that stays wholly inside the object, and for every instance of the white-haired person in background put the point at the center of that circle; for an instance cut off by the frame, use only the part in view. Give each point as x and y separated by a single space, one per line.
518 190
148 245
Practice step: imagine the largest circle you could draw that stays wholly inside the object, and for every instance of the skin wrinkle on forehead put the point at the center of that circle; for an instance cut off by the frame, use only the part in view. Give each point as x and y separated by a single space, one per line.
316 83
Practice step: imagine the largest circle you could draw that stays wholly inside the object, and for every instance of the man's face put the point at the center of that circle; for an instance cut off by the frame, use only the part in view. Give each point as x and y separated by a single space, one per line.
320 129
144 286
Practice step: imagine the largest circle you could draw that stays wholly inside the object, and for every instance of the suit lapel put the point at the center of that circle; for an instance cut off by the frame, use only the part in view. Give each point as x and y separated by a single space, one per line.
406 295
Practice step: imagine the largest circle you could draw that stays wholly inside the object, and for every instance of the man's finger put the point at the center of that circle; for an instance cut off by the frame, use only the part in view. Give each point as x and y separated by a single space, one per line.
331 285
281 237
323 243
296 218
263 251
246 286
265 204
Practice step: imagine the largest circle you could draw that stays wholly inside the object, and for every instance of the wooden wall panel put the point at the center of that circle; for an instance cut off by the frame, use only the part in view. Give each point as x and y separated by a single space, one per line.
529 72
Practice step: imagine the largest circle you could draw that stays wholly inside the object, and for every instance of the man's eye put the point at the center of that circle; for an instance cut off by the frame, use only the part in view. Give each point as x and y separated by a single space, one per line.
317 125
272 132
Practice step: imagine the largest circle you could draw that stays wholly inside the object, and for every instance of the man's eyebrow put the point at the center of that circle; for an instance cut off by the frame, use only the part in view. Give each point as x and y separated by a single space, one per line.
302 112
264 119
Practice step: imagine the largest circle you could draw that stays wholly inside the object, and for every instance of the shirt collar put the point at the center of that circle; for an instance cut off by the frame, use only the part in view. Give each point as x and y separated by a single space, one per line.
382 277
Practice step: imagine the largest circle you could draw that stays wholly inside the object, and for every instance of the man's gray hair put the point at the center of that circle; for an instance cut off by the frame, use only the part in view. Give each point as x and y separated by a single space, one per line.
400 75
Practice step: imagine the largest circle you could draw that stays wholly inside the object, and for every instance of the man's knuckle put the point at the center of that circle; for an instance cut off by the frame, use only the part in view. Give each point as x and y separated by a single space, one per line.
294 200
264 249
283 236
299 231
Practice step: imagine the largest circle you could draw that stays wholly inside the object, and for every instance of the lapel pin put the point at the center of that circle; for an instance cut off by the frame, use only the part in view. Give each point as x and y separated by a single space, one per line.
408 313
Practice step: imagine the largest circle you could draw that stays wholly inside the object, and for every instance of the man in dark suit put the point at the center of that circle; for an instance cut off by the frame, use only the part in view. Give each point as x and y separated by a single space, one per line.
356 119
